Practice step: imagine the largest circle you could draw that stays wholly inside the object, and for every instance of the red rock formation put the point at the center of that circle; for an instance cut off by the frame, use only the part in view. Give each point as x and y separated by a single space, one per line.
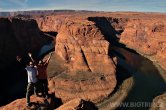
81 42
77 104
84 48
36 104
148 37
159 102
143 32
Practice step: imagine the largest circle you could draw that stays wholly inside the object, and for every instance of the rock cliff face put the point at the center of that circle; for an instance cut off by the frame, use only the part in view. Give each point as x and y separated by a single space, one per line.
91 71
144 33
42 104
159 102
86 39
79 43
148 37
38 103
20 104
18 37
78 104
84 43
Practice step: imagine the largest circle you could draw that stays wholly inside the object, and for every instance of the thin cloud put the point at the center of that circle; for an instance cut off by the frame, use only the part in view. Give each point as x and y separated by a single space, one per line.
21 3
96 5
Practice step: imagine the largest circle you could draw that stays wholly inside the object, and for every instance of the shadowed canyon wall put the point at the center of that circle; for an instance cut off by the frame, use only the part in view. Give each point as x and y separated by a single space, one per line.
79 43
85 50
18 37
84 43
143 34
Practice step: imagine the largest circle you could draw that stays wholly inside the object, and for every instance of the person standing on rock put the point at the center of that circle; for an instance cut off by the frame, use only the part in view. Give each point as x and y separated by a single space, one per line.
42 75
32 79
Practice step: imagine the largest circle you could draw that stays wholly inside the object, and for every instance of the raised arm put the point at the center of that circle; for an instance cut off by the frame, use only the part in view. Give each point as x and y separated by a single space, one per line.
48 59
18 58
30 55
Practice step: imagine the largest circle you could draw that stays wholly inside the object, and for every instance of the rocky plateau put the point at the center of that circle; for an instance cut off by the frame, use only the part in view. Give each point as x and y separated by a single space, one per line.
82 51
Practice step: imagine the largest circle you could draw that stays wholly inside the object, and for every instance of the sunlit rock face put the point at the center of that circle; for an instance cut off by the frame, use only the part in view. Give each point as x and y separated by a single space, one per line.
81 44
159 102
148 37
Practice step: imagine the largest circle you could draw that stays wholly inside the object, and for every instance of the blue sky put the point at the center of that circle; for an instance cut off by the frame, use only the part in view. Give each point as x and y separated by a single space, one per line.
95 5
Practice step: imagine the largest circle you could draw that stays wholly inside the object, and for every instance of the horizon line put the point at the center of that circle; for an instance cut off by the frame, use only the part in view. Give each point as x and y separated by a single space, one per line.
30 10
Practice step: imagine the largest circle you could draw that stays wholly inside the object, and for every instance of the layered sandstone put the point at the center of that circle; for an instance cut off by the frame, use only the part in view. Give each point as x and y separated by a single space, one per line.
84 43
159 102
91 71
79 43
78 104
37 103
148 37
143 32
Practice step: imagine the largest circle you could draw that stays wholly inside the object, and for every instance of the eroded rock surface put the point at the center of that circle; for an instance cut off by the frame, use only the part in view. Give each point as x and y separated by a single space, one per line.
148 37
84 43
91 71
37 103
78 104
159 102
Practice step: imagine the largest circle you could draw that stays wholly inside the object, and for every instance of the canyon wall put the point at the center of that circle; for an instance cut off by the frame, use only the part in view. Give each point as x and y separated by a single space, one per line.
159 102
84 43
144 33
18 37
81 44
148 37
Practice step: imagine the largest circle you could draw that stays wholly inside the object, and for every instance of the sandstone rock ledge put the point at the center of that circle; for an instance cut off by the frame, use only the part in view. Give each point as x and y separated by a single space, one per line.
38 103
95 88
147 36
159 102
42 104
78 104
91 73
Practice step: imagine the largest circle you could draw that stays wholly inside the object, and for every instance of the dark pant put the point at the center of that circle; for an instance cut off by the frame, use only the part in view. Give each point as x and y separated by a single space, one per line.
43 87
31 87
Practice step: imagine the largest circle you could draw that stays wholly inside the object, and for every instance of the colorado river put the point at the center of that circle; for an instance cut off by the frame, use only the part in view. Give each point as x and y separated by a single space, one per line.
148 81
141 84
